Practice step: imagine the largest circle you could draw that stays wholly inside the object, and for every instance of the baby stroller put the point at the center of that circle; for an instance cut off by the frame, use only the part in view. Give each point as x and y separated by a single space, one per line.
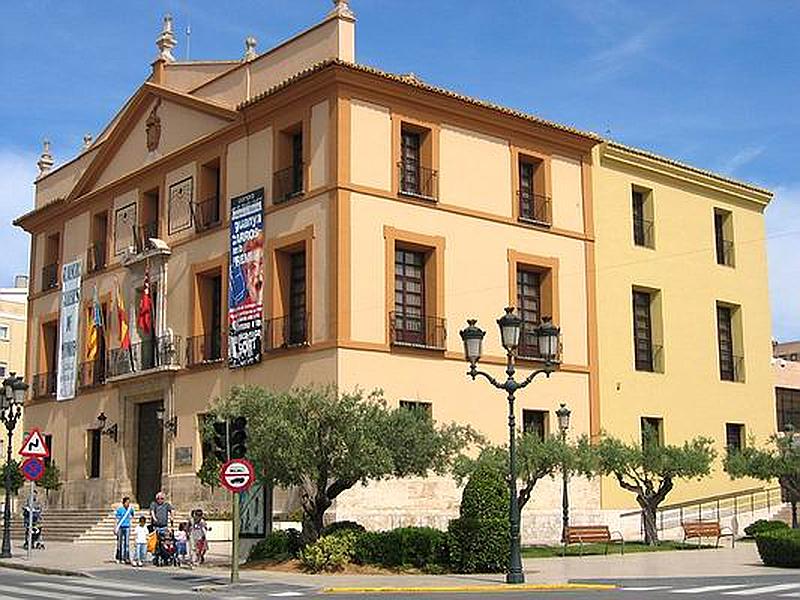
166 553
32 527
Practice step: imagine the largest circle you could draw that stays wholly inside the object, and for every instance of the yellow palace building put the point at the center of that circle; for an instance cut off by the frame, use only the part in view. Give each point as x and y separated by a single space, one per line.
297 217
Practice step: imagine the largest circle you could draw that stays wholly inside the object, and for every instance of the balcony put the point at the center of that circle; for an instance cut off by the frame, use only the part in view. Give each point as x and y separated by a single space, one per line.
50 277
156 354
43 385
731 368
206 214
290 331
418 182
534 208
206 349
287 183
528 348
92 373
643 233
650 359
143 233
96 257
417 331
725 253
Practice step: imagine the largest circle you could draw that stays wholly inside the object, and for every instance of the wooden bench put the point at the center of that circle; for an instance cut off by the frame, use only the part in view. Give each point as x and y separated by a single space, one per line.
591 534
706 529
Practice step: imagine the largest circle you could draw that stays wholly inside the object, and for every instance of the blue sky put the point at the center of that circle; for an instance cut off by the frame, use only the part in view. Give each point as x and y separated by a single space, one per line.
713 83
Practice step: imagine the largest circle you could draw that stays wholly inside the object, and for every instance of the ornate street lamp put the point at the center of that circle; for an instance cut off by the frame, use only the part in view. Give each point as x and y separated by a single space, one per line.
11 400
510 330
170 425
563 414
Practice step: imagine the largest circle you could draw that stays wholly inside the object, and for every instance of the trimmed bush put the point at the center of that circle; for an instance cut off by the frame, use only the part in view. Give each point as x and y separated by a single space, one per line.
419 547
329 553
762 526
277 546
339 526
779 547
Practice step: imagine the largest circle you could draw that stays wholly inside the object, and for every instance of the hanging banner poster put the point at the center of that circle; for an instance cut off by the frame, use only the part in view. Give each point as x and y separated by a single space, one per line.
245 303
68 330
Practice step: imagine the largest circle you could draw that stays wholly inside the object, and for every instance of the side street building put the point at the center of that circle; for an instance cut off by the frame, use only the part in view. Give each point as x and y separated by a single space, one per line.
13 328
295 217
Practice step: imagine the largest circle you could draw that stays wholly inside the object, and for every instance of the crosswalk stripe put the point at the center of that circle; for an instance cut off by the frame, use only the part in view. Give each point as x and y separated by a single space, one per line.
39 593
83 589
708 588
284 594
134 587
647 588
781 587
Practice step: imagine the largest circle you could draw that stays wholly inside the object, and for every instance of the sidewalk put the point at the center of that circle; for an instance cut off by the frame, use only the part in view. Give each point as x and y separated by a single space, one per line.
741 561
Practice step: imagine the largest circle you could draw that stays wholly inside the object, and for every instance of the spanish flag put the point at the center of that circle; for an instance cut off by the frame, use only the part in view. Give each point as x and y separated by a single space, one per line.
94 327
122 319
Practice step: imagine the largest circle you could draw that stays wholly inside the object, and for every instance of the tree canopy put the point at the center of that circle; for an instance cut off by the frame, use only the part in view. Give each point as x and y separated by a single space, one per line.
325 442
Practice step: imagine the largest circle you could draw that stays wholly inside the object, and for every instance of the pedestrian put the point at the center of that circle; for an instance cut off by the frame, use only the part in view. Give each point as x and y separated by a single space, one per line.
181 542
122 529
197 533
160 513
141 542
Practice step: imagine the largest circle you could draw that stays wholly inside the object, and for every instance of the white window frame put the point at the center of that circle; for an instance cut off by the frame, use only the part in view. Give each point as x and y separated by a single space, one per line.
7 328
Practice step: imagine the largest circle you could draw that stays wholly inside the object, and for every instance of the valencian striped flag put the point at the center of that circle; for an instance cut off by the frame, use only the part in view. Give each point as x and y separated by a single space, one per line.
94 327
122 319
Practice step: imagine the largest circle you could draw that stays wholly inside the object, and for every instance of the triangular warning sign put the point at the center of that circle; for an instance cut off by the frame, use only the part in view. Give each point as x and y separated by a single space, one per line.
34 445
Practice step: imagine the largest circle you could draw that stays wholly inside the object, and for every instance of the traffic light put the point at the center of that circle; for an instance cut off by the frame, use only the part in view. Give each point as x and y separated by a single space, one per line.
238 437
221 440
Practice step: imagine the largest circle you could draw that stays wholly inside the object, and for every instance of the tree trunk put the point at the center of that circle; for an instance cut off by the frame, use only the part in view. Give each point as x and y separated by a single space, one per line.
649 522
313 516
794 514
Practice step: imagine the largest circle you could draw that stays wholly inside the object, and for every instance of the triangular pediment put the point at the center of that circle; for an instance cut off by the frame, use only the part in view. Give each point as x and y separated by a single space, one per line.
156 123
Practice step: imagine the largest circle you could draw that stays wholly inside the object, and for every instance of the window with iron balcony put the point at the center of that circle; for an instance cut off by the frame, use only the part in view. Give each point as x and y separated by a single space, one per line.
97 252
411 323
290 329
207 209
723 237
729 343
534 204
643 217
416 176
288 179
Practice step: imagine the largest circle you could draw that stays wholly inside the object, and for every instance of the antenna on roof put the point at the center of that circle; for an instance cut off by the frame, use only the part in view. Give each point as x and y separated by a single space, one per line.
188 39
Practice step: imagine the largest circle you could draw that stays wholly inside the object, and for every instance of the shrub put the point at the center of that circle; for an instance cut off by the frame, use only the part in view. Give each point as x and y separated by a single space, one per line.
419 547
277 546
779 547
329 553
762 526
339 526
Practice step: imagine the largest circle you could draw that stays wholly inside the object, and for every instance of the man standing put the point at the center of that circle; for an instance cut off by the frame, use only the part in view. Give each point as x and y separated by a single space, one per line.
122 529
160 512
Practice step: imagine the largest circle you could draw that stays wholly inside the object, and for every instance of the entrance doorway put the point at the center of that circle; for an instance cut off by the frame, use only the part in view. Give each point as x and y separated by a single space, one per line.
148 467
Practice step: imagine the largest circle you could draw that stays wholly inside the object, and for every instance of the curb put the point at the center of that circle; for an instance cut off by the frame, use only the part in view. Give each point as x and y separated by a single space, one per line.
42 570
546 587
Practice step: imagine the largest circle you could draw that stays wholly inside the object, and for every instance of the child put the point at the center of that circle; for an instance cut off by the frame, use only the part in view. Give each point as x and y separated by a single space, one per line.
180 543
198 530
141 533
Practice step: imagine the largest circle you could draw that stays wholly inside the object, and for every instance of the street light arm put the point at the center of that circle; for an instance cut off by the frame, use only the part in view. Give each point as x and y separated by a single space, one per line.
547 370
474 372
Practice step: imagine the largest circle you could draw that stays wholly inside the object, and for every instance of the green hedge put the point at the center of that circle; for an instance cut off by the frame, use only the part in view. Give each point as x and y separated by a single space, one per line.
762 526
339 526
277 546
478 545
329 553
779 547
420 547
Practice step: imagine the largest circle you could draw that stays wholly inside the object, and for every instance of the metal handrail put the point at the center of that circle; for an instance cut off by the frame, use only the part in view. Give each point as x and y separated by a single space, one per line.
50 276
534 208
206 348
285 332
644 230
418 331
96 257
206 214
287 183
418 181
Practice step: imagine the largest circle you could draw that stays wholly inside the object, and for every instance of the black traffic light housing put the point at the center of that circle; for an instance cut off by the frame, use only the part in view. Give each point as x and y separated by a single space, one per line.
238 437
221 440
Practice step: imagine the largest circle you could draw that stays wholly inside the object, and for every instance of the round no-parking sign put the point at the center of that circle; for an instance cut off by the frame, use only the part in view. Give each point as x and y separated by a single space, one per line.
32 468
237 475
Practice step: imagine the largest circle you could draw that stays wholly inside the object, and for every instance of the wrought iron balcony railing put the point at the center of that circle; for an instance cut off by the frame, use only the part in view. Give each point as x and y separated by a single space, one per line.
44 385
289 331
206 349
725 254
50 276
96 257
417 181
643 233
92 373
650 359
206 214
287 183
731 368
534 208
143 233
528 348
153 353
418 331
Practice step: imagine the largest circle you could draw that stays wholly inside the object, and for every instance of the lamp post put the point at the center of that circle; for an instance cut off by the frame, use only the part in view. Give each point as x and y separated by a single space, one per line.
11 398
563 414
510 330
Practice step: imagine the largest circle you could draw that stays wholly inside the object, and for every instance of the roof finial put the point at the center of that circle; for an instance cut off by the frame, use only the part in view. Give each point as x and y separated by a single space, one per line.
87 141
250 48
45 162
166 41
341 8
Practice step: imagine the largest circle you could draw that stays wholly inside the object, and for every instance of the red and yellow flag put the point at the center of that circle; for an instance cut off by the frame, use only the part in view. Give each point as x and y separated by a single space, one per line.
122 319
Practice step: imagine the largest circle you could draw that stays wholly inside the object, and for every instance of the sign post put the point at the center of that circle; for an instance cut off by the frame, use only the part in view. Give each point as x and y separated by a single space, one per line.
236 475
35 451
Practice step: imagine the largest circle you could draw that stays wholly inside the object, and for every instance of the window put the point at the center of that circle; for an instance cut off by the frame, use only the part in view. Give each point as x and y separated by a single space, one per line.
48 441
96 253
409 296
52 253
787 407
93 438
535 422
288 178
416 175
534 205
642 209
723 237
207 207
426 408
206 345
734 436
3 369
297 298
652 429
148 219
529 309
642 332
44 382
4 333
731 363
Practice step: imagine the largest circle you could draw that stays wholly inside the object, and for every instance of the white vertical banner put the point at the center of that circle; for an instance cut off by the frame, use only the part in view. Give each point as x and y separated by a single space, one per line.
68 330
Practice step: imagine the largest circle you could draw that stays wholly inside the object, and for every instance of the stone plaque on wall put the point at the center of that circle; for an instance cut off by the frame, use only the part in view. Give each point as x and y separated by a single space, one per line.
124 222
180 205
183 456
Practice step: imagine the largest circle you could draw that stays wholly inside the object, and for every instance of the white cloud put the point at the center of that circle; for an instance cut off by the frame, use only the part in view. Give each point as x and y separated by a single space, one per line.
17 172
783 240
741 158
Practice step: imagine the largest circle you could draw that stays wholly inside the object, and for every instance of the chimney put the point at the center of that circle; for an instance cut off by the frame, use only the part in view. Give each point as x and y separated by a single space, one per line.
250 48
45 162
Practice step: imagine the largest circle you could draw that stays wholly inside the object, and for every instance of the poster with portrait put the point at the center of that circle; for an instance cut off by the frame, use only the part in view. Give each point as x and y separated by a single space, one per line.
246 279
124 222
68 330
253 512
180 205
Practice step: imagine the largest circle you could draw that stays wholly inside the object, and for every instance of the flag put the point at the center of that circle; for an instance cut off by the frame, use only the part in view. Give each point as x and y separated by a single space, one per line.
94 327
145 318
122 319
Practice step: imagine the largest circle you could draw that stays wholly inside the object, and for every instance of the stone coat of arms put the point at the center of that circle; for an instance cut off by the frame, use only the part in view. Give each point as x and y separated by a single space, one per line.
153 128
